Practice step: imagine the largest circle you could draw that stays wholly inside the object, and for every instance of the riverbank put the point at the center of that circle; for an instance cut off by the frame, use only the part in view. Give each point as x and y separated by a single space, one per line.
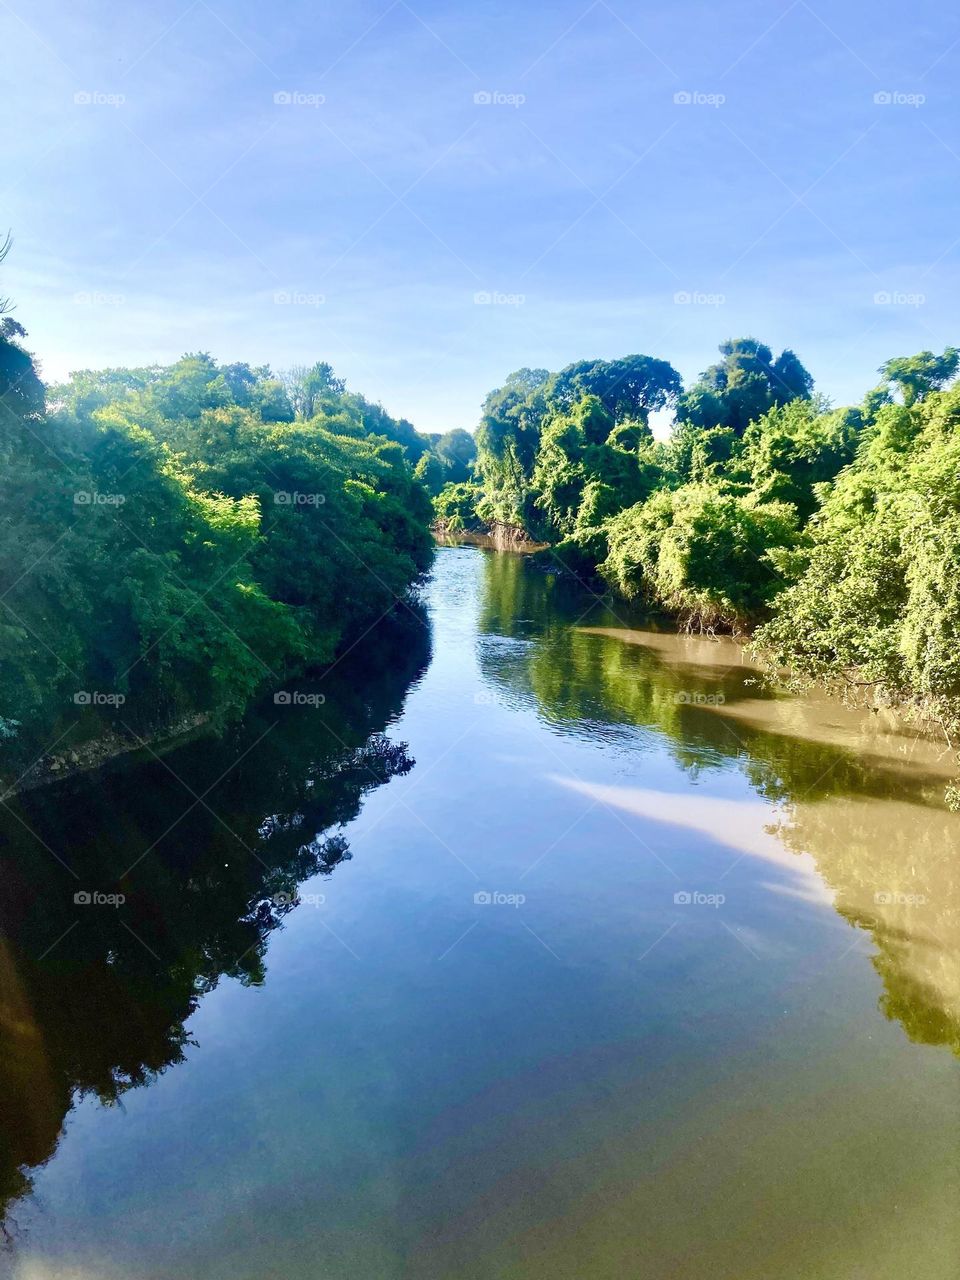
105 744
498 537
94 753
914 716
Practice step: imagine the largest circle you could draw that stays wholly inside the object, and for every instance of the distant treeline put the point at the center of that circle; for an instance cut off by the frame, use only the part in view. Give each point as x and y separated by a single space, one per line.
834 533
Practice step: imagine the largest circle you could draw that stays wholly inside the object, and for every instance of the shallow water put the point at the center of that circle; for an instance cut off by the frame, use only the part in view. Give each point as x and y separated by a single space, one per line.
641 969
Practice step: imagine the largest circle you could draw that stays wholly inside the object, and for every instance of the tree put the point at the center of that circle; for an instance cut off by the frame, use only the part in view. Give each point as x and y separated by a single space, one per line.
916 376
457 449
431 473
21 391
796 448
308 387
743 386
507 440
628 388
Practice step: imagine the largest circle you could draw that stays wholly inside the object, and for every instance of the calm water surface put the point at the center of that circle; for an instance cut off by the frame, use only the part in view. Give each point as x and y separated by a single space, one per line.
551 946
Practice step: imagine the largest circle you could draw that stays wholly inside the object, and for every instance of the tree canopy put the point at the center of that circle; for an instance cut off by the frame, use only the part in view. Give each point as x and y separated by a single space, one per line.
832 529
174 537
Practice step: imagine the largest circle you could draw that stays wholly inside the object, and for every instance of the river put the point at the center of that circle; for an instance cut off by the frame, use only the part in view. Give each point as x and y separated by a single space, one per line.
530 942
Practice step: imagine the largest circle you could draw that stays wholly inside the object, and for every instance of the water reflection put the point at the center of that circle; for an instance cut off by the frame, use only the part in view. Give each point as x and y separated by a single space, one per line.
207 847
853 800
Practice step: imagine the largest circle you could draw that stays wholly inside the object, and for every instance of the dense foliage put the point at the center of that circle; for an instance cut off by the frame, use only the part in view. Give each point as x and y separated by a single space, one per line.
836 531
173 537
877 597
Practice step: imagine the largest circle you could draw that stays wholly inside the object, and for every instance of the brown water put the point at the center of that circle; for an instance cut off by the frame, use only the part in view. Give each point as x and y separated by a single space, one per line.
642 969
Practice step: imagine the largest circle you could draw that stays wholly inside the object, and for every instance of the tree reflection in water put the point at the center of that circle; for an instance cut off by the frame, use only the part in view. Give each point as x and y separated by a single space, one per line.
859 794
208 846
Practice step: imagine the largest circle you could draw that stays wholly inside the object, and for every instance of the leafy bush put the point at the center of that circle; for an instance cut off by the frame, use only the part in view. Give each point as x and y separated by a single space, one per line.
710 556
878 603
455 505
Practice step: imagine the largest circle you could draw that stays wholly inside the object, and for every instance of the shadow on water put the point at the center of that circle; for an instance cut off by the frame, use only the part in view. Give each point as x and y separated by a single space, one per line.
854 791
94 998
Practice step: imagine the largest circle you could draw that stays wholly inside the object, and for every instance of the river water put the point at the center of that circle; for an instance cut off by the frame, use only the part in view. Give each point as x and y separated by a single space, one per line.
534 942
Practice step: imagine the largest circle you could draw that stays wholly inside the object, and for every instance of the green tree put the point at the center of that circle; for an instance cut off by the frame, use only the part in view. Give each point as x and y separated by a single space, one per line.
457 449
916 376
628 388
743 386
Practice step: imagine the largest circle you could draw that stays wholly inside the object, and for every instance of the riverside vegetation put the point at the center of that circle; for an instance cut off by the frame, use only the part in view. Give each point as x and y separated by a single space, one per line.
831 534
176 540
174 537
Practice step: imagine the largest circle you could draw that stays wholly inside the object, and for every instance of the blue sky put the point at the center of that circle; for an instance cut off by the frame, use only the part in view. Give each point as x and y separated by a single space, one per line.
162 200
